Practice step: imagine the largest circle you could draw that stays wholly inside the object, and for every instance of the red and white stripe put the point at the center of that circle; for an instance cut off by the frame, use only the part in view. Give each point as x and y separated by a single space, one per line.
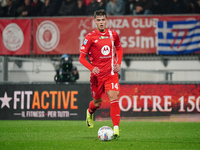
112 50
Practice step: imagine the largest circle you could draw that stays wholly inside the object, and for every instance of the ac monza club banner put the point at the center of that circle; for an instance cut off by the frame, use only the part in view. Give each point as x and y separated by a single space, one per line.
44 101
137 100
15 36
66 35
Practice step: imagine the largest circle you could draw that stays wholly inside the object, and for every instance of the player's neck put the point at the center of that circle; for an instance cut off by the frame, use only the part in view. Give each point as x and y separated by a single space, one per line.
101 31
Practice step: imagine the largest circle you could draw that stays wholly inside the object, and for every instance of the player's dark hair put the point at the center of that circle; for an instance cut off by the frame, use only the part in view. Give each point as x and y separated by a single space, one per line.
100 12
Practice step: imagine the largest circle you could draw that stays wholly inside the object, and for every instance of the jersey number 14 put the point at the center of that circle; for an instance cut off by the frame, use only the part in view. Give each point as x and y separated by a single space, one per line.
114 85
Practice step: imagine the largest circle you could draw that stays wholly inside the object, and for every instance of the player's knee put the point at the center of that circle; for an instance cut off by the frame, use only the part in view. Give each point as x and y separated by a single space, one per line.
97 102
113 95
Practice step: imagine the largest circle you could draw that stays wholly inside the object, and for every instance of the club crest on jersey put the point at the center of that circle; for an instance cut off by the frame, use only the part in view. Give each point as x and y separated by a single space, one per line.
103 37
105 50
85 42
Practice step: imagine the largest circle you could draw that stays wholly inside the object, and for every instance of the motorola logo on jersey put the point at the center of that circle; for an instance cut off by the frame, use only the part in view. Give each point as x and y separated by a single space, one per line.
105 50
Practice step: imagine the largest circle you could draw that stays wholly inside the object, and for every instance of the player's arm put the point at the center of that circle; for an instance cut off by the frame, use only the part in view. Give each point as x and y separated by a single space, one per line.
117 66
84 51
119 53
82 58
84 62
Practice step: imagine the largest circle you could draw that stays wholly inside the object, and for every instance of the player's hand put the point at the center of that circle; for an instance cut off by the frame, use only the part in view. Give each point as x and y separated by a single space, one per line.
117 67
96 70
138 9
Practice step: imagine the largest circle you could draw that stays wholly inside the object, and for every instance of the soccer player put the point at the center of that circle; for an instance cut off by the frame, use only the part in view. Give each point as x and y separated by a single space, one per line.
102 46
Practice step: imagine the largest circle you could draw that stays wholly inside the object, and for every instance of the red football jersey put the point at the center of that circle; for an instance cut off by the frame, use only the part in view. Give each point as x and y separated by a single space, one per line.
100 48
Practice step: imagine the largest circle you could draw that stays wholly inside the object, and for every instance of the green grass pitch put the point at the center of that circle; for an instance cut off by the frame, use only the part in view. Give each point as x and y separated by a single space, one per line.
64 135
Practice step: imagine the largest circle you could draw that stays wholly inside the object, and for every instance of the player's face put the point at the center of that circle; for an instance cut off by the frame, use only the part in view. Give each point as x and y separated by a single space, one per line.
100 21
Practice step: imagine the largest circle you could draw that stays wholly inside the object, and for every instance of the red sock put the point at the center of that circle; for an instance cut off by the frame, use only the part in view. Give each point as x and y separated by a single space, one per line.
115 112
92 107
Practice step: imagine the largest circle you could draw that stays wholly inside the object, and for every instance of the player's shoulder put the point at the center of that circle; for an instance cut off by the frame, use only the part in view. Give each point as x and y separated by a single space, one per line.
114 32
90 34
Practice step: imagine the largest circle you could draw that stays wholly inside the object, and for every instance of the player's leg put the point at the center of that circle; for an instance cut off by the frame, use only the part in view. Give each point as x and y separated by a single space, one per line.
114 111
112 89
93 106
97 90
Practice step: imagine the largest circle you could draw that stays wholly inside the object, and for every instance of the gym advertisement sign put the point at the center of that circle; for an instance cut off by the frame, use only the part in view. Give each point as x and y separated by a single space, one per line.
70 101
44 101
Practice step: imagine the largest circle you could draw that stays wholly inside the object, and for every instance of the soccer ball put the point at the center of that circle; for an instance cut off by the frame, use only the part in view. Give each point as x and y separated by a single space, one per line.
105 133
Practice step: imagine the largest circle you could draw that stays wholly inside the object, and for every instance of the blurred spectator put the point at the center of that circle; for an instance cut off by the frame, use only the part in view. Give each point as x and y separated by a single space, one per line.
102 4
67 8
87 2
159 6
48 8
198 2
115 7
193 7
176 7
27 8
143 7
91 8
36 6
18 3
58 3
129 7
9 10
24 10
80 8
